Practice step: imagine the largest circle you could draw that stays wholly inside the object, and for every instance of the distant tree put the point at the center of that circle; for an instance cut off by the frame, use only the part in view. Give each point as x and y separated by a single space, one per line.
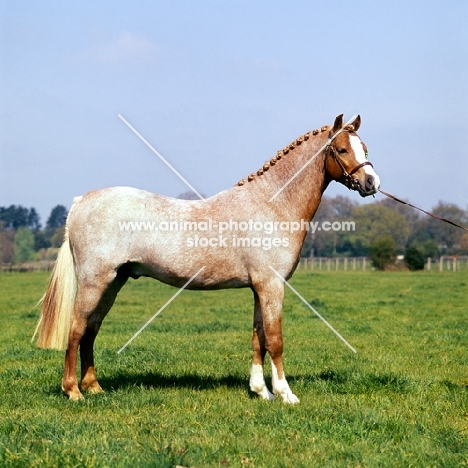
420 232
41 240
24 245
4 218
189 195
429 248
57 218
444 234
326 243
34 220
412 216
464 244
57 239
14 217
376 220
414 258
7 245
382 251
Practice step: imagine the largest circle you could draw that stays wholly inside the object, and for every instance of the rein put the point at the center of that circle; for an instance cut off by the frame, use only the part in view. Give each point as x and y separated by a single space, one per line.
445 220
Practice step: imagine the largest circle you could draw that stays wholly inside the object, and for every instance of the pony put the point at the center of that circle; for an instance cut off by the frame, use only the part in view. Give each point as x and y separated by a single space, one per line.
249 236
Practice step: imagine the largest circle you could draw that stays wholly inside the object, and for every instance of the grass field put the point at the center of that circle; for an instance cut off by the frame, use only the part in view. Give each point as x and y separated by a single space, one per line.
178 395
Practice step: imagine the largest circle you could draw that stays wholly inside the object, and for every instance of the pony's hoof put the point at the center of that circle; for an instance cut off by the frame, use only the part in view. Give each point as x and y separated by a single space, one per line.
92 388
75 396
266 395
290 398
73 392
95 390
259 387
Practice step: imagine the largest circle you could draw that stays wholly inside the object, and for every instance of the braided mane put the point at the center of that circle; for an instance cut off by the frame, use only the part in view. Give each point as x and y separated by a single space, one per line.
285 151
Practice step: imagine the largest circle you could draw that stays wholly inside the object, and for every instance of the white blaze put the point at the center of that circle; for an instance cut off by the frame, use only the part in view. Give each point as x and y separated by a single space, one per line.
358 148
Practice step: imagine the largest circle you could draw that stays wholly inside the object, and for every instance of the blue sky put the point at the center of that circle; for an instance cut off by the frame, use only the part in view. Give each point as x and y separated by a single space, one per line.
217 87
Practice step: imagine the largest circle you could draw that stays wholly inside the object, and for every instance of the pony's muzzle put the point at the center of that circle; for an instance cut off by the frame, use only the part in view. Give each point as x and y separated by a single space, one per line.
368 186
370 183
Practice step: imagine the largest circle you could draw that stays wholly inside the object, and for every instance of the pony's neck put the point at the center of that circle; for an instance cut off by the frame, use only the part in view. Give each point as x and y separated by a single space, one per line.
298 179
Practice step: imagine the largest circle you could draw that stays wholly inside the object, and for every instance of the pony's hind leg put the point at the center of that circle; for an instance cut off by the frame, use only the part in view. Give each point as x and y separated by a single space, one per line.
77 330
89 298
270 296
89 381
257 380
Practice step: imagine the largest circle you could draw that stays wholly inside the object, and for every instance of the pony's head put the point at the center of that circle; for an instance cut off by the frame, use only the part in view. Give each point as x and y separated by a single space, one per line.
346 159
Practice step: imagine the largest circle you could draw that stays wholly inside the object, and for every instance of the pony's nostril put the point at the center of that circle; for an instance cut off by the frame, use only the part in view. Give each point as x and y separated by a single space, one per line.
369 182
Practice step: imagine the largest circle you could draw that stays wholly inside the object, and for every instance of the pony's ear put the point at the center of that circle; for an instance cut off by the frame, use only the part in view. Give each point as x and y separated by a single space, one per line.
357 123
338 124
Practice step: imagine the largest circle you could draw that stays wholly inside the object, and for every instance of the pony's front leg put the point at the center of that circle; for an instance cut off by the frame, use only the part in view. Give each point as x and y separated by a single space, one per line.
257 380
280 384
270 293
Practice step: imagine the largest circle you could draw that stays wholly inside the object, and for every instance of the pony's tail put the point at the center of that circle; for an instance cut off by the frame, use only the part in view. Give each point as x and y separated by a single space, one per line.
58 301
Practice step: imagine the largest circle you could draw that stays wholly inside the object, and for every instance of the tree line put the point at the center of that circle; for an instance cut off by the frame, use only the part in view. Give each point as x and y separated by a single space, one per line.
22 237
384 228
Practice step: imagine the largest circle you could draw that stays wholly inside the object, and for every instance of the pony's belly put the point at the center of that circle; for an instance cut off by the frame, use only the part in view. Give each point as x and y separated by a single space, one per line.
190 277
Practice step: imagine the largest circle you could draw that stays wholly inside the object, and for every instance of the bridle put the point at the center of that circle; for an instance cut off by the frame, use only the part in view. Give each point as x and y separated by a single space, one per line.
352 184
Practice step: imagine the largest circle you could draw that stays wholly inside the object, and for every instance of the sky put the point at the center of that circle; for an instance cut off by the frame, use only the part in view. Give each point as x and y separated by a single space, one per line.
217 87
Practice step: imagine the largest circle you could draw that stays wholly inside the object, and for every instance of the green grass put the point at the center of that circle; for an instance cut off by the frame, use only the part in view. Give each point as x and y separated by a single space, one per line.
178 395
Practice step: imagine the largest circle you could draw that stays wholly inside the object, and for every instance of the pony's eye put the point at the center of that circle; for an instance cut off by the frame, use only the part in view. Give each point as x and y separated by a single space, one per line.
342 150
367 155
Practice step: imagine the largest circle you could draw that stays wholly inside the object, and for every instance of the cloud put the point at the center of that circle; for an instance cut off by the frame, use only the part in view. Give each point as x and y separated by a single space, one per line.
127 49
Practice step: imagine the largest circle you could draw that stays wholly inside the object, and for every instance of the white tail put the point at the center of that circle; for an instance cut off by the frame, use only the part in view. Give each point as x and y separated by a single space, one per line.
58 301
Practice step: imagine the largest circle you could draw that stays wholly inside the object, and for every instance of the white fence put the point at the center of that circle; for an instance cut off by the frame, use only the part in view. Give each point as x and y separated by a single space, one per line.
335 263
444 263
447 263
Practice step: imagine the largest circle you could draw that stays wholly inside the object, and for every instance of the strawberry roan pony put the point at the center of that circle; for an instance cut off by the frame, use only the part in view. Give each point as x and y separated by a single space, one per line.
98 256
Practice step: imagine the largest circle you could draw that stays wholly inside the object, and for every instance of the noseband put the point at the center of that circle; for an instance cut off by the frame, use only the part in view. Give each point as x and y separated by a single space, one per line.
349 182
